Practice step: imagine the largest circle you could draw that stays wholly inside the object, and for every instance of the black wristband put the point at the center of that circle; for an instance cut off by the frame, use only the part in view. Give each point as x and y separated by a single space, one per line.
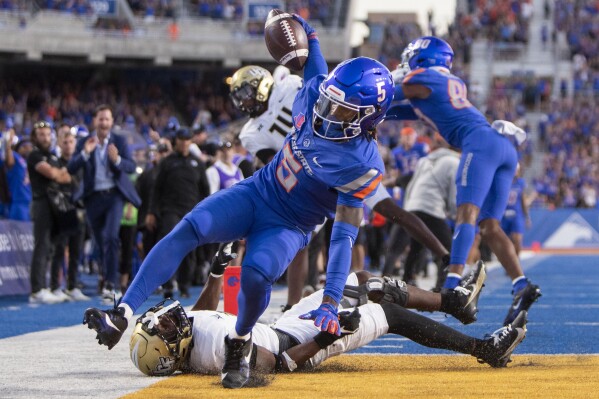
217 269
324 339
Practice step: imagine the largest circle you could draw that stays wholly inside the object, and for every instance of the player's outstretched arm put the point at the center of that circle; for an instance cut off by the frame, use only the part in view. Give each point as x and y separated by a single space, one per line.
343 236
210 295
315 64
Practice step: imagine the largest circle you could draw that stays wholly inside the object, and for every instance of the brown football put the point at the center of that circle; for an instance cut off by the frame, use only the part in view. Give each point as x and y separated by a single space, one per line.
286 40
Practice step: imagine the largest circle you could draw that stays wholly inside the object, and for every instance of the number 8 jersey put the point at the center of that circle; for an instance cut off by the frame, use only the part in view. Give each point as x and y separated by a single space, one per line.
310 175
447 109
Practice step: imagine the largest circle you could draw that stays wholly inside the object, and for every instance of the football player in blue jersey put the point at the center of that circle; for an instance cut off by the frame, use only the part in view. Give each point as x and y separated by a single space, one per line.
516 218
487 165
328 166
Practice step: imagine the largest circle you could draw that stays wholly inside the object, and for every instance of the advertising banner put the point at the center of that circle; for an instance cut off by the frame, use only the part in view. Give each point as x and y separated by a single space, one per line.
570 228
16 248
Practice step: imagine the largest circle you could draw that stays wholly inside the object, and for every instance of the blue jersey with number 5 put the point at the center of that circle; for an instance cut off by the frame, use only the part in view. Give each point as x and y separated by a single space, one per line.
310 175
447 109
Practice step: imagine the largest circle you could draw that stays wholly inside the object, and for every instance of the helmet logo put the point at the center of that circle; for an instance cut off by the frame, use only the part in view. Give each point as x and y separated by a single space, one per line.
165 365
299 120
422 43
335 93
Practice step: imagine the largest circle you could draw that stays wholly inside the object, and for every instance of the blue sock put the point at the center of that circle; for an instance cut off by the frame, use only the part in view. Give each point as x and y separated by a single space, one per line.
519 283
252 300
452 281
463 237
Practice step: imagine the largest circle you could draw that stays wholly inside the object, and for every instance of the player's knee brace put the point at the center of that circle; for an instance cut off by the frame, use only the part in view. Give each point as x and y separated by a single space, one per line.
387 290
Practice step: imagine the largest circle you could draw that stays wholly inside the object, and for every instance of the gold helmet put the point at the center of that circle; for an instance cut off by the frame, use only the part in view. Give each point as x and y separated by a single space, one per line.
161 340
250 88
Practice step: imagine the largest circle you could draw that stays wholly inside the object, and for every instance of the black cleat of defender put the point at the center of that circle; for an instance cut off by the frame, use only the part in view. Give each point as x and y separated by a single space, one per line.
236 371
468 293
498 347
110 324
522 301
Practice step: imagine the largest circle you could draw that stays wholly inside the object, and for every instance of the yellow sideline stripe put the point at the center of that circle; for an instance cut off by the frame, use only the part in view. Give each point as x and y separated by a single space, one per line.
406 376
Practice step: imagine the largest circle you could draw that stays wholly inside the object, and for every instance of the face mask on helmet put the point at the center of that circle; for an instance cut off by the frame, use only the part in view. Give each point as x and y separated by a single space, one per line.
250 88
425 52
353 99
161 339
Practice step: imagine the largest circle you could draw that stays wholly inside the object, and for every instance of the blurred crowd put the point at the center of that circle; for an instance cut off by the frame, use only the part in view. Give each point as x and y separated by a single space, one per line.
579 20
570 176
226 10
137 107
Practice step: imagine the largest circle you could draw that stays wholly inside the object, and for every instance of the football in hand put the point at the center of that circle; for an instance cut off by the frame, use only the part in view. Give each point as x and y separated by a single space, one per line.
286 40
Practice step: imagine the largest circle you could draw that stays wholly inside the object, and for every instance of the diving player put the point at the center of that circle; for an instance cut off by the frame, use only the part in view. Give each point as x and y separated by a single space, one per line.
267 99
487 165
328 166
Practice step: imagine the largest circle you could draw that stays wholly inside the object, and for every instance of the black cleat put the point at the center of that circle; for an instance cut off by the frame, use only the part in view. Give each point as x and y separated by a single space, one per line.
498 347
522 301
468 293
236 371
109 324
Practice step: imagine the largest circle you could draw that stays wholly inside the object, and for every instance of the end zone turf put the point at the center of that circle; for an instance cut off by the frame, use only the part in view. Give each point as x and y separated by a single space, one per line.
363 376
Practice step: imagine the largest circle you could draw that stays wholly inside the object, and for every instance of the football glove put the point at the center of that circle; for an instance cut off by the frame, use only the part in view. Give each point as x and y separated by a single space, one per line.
309 30
227 251
349 321
325 317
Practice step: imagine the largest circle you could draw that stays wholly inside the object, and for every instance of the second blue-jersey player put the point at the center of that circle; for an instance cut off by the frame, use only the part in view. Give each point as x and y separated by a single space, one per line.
487 165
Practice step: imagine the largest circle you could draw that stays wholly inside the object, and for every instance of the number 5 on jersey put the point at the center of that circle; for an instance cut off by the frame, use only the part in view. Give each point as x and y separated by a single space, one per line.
287 169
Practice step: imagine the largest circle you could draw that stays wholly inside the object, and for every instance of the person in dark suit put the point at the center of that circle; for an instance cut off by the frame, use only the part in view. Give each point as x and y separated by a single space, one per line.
106 162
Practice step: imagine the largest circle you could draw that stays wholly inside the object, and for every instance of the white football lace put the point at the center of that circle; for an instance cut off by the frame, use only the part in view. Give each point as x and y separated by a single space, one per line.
288 33
501 334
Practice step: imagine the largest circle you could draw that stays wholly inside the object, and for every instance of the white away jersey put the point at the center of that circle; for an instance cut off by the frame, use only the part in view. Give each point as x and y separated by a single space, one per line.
209 331
269 129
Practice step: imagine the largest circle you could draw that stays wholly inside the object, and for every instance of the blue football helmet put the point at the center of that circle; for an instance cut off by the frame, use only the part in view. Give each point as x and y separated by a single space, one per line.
425 52
353 99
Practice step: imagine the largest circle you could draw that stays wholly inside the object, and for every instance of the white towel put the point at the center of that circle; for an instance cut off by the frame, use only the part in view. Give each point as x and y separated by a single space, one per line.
509 129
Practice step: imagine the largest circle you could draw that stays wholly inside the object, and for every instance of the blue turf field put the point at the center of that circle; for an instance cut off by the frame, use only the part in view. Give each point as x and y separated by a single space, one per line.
564 320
